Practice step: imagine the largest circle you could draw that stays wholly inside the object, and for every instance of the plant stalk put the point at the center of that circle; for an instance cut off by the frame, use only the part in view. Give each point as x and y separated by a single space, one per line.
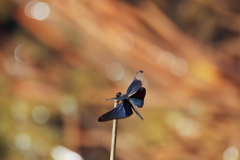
114 135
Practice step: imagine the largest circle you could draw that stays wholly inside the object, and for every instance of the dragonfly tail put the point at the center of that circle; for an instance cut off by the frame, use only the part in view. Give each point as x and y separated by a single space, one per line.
137 113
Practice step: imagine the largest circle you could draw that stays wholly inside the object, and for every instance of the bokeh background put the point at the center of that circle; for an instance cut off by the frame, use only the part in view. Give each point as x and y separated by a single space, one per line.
60 60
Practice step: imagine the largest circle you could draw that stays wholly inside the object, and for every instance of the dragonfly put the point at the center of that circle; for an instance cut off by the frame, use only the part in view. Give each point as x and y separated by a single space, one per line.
134 98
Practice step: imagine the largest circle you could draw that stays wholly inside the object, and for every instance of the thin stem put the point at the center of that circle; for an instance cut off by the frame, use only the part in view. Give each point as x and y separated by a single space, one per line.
114 135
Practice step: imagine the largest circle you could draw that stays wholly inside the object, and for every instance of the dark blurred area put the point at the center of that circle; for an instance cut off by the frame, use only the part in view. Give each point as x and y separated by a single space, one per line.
60 60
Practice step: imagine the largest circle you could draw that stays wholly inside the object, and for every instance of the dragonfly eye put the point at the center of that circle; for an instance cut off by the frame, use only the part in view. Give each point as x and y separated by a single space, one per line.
118 94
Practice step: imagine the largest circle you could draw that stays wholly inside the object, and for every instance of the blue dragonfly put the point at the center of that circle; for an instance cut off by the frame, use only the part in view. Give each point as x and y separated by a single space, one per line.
133 98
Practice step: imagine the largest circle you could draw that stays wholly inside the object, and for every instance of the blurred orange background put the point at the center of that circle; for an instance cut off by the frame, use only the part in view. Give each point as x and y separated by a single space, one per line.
60 60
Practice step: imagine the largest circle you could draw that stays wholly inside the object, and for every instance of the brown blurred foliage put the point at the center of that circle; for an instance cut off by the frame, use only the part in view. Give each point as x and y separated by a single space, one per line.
58 61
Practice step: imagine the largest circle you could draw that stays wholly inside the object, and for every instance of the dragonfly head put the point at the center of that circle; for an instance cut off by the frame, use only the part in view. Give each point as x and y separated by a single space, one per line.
119 94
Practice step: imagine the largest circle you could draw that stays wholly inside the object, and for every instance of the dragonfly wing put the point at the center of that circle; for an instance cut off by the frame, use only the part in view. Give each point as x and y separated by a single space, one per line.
137 100
123 110
136 83
117 98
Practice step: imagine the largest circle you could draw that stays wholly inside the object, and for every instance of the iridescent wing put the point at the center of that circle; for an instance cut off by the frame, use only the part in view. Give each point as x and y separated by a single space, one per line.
137 100
136 84
123 110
